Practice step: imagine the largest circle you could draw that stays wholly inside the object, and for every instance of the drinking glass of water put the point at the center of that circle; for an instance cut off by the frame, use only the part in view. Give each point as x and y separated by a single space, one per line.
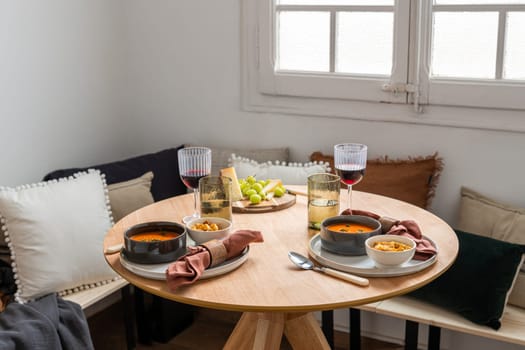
216 197
323 198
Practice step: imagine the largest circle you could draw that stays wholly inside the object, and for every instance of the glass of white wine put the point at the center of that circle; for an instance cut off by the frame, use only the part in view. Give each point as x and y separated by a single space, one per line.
323 198
216 197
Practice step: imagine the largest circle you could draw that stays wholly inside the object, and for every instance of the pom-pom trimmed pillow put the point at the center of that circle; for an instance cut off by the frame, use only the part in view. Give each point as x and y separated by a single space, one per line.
291 174
412 180
487 217
125 197
478 284
220 155
55 232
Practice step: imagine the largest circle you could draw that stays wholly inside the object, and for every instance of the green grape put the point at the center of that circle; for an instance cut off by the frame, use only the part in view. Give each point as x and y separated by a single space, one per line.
263 195
251 192
246 189
251 180
262 182
258 187
255 199
279 191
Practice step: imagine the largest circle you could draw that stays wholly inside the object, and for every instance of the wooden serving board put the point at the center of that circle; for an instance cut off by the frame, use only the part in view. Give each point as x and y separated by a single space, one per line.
274 204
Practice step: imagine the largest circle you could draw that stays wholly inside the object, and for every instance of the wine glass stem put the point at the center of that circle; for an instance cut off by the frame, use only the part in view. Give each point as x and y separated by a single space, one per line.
350 197
195 199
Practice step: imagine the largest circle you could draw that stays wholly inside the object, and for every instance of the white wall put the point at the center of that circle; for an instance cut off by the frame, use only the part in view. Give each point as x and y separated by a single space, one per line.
92 81
59 101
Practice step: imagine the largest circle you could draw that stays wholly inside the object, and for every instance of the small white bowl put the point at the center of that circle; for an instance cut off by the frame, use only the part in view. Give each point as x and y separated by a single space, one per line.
200 237
386 259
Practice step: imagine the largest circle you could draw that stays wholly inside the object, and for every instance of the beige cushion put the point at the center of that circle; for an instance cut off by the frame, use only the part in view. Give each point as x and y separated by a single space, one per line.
128 196
485 216
517 296
412 180
221 155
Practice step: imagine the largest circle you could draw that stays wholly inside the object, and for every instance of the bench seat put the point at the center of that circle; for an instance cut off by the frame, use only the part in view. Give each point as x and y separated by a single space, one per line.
414 311
96 299
512 323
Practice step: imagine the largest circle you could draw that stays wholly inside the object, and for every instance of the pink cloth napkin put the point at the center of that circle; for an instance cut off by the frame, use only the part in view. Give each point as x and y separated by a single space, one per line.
408 228
189 268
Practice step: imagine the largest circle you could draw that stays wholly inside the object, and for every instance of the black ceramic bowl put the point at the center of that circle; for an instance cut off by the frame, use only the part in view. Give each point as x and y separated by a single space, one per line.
155 251
345 243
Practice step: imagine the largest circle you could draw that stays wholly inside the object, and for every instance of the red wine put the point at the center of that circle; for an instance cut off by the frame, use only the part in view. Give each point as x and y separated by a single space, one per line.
350 174
192 177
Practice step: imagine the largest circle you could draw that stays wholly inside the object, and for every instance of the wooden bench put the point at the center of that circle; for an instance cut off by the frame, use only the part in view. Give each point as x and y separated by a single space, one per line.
416 312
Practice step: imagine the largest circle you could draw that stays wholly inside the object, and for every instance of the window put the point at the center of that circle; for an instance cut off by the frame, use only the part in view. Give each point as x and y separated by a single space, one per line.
319 48
326 57
475 53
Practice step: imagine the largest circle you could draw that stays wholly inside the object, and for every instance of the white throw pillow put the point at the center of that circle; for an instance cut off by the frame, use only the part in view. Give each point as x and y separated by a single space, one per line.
291 174
55 232
221 154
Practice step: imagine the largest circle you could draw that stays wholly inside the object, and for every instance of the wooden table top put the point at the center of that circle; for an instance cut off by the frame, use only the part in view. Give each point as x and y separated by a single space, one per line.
268 281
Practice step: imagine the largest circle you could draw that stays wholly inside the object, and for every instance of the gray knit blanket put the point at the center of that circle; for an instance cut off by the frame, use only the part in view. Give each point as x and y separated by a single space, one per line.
49 323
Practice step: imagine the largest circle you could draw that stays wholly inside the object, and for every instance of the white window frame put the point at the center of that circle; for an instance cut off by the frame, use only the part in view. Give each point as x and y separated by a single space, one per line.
257 98
477 93
331 85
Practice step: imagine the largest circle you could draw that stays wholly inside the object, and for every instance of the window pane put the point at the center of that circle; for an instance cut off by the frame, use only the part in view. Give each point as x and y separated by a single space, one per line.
464 44
336 2
303 41
364 51
477 2
514 62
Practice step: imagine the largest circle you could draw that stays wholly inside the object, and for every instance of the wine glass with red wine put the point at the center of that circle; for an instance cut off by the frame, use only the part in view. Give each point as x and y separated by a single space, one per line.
194 164
350 165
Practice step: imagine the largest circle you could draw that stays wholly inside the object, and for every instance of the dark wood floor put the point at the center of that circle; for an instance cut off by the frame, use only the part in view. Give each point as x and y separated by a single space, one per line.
209 331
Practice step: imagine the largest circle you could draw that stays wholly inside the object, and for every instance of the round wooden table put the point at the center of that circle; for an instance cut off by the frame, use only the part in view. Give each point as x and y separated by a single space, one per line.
274 295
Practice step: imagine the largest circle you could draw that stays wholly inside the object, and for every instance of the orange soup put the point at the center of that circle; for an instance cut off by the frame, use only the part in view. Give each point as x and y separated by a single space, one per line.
350 228
154 236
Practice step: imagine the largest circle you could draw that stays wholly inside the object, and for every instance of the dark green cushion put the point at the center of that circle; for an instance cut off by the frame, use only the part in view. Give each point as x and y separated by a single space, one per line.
477 284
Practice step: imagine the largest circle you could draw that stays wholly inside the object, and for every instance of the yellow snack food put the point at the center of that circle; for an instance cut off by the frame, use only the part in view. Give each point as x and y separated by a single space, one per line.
205 226
391 246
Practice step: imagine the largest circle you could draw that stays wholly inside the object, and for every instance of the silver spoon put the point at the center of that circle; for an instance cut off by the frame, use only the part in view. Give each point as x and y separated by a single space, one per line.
307 264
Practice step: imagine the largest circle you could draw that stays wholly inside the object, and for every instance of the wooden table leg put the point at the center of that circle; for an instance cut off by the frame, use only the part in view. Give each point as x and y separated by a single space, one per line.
303 332
257 331
264 331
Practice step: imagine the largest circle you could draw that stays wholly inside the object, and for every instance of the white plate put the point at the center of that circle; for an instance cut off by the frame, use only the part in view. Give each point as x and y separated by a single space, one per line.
362 264
158 271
